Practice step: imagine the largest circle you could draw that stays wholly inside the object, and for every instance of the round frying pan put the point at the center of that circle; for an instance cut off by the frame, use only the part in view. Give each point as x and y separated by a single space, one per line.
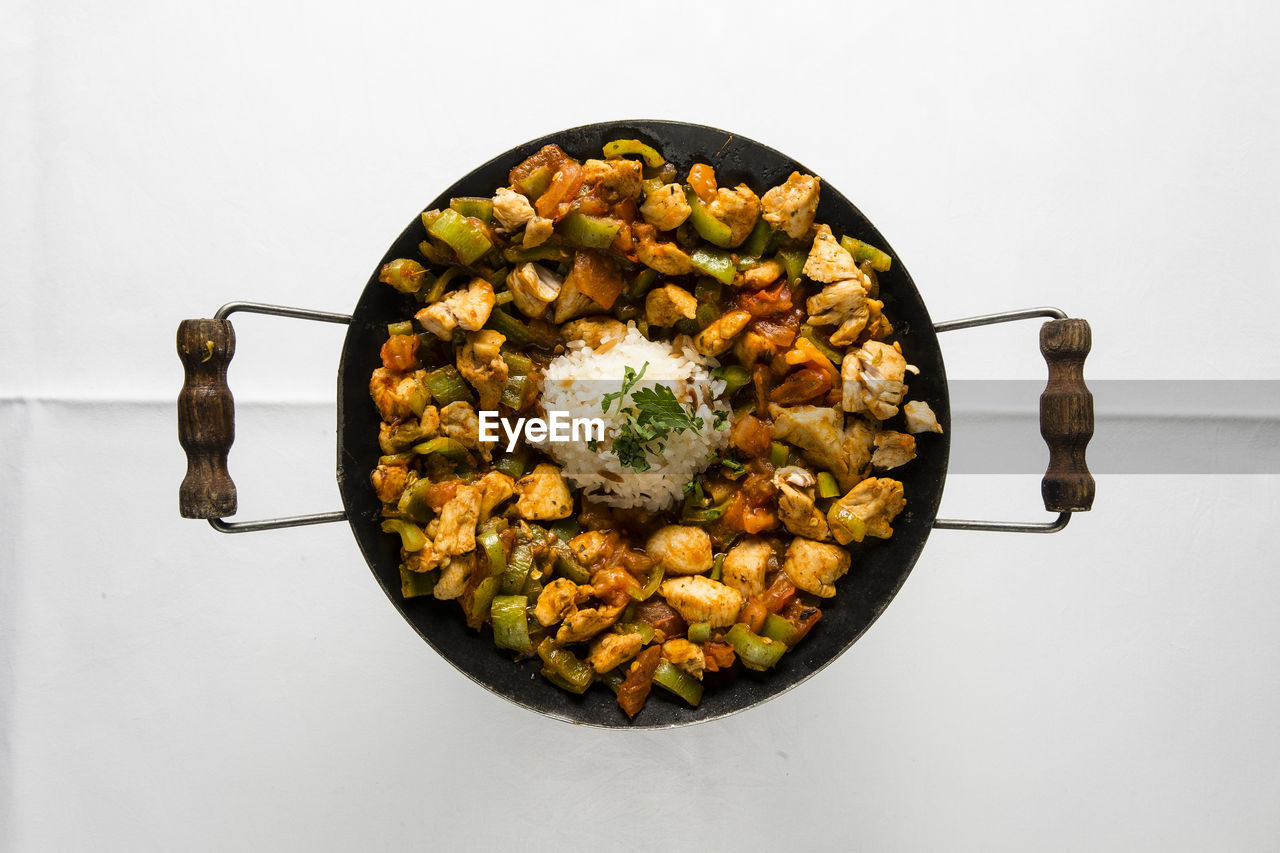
206 431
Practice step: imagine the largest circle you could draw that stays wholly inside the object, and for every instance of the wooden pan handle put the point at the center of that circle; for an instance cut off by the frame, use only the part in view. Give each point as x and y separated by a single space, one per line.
1066 416
206 418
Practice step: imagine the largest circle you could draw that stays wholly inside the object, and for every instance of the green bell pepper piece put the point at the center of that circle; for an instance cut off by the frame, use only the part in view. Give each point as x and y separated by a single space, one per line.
716 263
411 536
708 227
880 261
624 147
755 652
675 680
465 236
592 232
563 668
417 584
478 208
510 624
700 632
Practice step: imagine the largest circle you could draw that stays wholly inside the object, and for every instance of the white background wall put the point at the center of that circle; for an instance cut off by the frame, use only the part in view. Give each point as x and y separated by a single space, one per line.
1115 687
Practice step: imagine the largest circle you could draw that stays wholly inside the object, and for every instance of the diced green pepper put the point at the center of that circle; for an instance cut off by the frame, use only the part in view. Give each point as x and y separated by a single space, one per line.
563 668
482 598
699 632
708 227
467 237
778 454
644 629
810 334
592 232
412 504
651 584
517 364
403 274
717 567
675 680
880 261
510 624
536 182
567 565
513 393
842 515
707 314
404 327
716 263
778 629
827 485
517 334
643 281
519 564
449 448
479 208
793 260
512 465
735 376
411 536
755 652
447 385
489 542
417 584
625 147
758 239
566 529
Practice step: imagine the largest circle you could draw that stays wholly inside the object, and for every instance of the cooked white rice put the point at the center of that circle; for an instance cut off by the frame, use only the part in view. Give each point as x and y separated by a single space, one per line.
576 382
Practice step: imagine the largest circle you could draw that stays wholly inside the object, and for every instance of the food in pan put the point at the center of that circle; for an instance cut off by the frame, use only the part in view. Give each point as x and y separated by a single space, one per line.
638 423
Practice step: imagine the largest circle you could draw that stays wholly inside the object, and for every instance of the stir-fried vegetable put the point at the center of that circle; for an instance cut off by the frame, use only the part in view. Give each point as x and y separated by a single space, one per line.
581 255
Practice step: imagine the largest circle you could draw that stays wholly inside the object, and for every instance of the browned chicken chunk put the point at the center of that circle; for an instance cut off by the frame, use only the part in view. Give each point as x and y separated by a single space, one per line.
480 363
666 207
680 549
815 566
791 206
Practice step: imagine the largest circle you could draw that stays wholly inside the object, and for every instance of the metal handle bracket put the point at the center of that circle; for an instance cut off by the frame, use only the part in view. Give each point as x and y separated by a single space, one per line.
1005 526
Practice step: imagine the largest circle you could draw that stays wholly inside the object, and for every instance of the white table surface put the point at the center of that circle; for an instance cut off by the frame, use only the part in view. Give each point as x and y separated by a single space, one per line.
1114 687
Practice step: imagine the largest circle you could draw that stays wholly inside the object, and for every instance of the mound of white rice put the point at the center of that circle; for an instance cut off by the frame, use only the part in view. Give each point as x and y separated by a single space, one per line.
576 382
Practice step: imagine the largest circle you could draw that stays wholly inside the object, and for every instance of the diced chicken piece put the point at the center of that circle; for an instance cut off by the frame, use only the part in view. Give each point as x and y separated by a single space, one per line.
480 363
537 231
794 475
389 481
791 206
594 331
761 275
572 302
496 487
815 566
826 441
511 209
844 304
878 325
872 380
745 565
663 306
586 546
796 508
920 417
685 655
893 449
586 623
460 422
828 261
397 438
467 309
875 501
680 549
752 347
425 559
738 208
612 180
453 578
397 394
666 208
718 336
608 651
697 598
558 599
543 495
533 287
458 519
666 258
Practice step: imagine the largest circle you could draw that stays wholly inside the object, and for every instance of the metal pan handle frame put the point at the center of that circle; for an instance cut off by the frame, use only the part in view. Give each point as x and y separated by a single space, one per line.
207 419
1066 419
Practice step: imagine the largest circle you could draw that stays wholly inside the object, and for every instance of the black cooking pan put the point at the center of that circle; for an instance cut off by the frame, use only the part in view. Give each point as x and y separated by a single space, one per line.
206 431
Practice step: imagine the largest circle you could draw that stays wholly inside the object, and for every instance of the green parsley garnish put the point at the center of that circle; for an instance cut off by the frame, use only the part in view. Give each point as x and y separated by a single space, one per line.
652 415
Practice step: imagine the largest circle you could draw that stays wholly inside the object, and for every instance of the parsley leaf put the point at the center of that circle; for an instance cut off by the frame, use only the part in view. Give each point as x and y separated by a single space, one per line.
659 406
